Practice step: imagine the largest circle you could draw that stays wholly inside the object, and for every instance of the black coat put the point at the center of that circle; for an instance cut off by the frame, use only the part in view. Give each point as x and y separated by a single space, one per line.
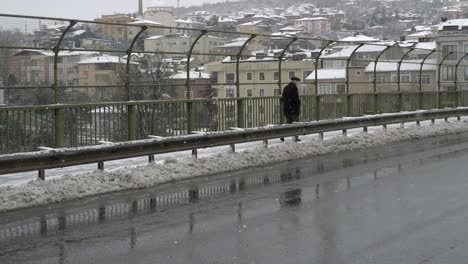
290 97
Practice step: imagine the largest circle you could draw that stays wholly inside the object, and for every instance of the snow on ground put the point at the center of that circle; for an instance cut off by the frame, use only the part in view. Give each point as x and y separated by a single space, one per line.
81 181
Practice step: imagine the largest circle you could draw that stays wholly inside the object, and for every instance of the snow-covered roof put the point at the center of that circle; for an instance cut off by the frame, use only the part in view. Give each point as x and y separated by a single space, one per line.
193 75
348 50
422 34
156 37
311 19
77 32
359 38
419 28
252 23
426 45
104 59
237 43
145 22
408 65
460 23
328 74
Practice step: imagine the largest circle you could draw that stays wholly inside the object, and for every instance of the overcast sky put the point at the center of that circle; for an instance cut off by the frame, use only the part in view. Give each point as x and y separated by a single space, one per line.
83 9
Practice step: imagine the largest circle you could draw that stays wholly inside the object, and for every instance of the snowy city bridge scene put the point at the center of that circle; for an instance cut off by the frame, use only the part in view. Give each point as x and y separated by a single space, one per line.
171 135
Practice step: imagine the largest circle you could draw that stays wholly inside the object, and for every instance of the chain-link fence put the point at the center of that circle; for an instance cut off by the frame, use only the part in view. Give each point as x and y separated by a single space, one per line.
67 83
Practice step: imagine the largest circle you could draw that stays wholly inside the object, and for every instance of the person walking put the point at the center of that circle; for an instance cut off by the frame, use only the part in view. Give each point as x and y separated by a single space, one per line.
291 102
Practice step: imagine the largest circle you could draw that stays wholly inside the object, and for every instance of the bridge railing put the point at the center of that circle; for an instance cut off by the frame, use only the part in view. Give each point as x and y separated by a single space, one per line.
70 82
26 128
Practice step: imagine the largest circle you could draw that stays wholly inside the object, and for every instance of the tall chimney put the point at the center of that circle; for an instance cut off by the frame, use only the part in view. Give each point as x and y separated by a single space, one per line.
140 8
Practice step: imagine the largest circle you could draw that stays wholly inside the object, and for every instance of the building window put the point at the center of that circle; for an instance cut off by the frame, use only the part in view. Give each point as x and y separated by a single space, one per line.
262 92
291 74
229 92
261 76
276 76
426 78
405 77
357 73
466 73
249 92
277 92
230 77
380 78
306 74
446 49
103 78
249 76
324 88
214 77
340 88
447 73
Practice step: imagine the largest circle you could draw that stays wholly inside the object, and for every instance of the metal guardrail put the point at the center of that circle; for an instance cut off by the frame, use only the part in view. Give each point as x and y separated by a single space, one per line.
56 158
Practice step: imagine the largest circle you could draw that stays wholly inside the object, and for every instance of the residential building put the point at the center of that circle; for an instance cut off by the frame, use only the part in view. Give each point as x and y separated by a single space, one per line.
191 28
200 85
314 25
411 76
179 45
164 15
256 27
116 32
362 56
103 70
452 40
258 76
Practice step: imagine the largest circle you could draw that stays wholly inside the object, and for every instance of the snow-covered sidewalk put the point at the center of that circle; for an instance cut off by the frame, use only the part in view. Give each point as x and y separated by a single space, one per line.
66 184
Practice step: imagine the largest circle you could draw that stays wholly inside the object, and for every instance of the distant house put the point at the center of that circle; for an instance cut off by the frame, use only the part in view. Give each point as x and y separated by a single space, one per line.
200 85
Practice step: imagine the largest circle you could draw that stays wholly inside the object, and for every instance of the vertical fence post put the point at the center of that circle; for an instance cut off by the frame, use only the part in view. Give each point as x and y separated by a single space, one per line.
190 108
400 96
280 62
376 97
240 106
349 98
317 98
420 78
59 112
131 108
456 80
439 97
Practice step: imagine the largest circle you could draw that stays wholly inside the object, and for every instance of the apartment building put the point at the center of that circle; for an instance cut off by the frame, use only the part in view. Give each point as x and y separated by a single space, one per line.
258 77
452 40
179 45
116 32
103 70
314 25
163 15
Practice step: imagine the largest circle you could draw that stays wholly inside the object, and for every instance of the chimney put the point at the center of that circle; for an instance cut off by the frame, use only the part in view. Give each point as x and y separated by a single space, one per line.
140 8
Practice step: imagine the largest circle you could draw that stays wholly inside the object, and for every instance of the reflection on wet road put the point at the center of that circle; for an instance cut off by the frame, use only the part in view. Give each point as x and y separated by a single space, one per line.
405 203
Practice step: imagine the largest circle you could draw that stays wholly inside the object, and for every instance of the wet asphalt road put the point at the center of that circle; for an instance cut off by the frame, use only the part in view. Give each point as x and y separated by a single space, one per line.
404 203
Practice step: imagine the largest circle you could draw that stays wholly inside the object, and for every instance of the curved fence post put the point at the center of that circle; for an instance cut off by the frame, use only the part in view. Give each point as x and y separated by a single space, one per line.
129 56
59 112
240 106
439 97
190 110
421 95
349 102
376 96
400 96
348 62
131 109
456 79
317 97
280 58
